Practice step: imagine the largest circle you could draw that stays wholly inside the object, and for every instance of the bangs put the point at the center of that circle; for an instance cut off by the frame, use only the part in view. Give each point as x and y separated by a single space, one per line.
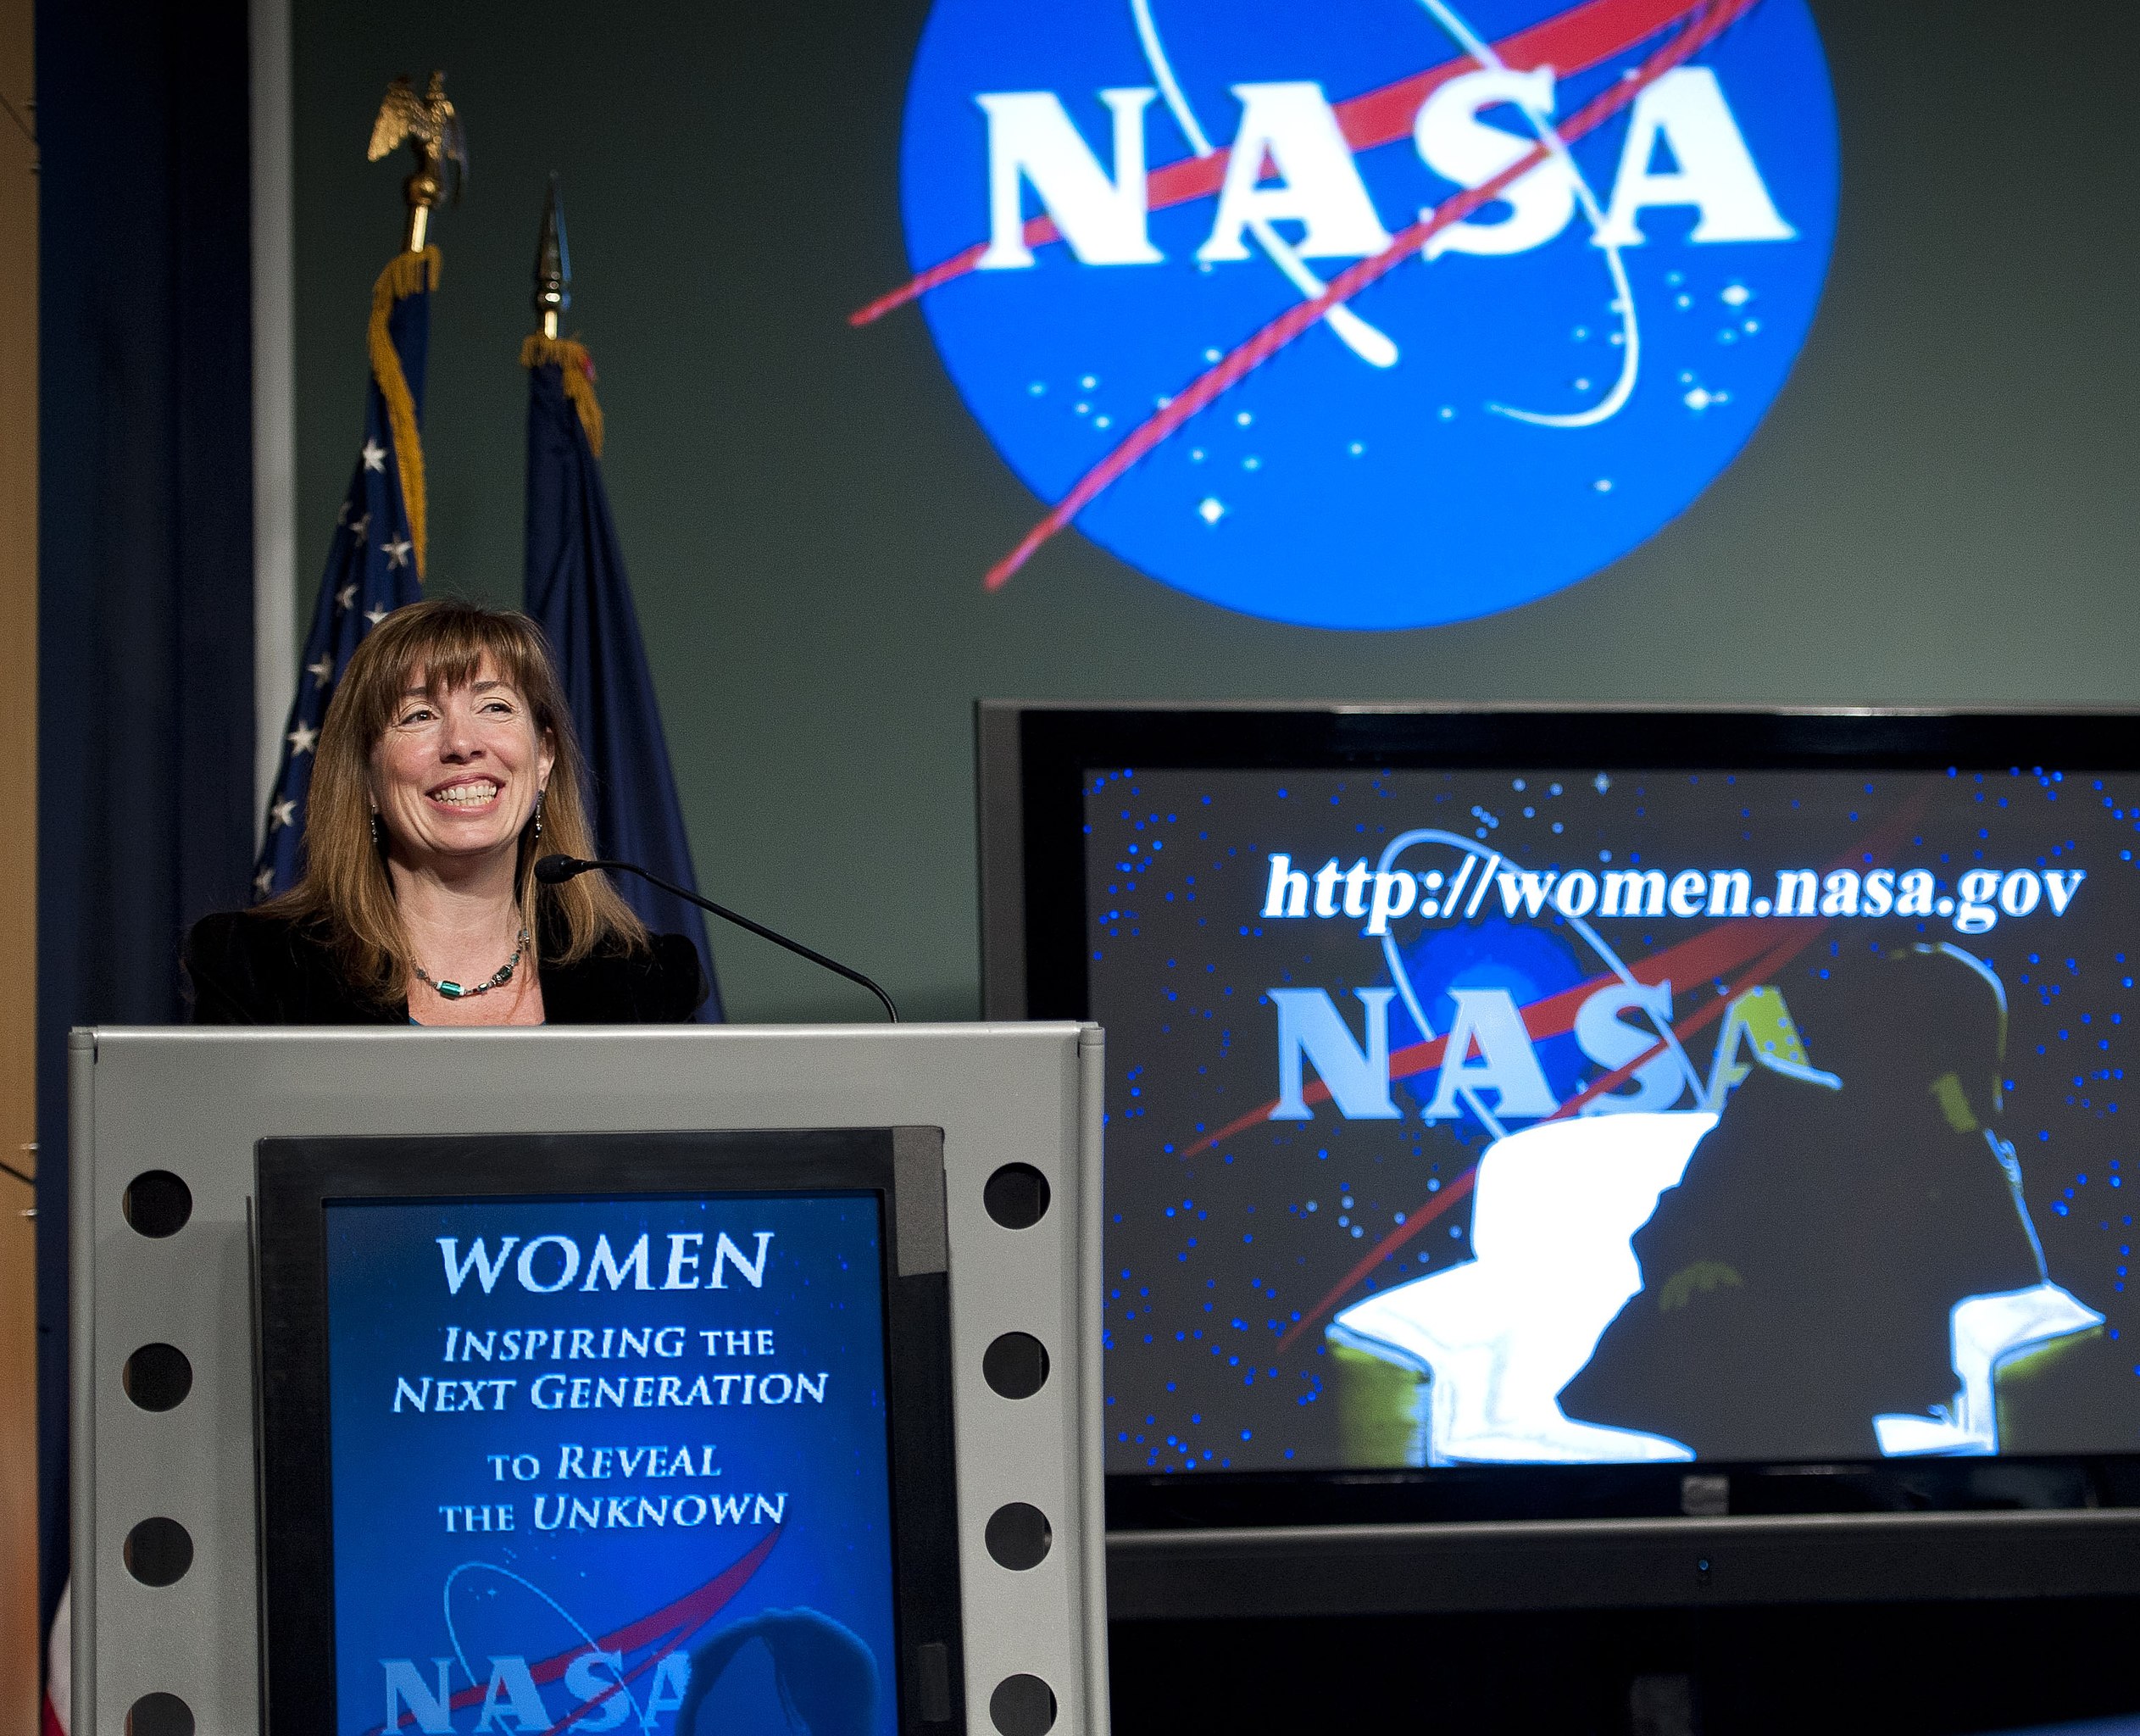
447 649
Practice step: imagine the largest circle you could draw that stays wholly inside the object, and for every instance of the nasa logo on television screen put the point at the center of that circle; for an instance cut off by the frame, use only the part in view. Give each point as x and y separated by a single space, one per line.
1367 313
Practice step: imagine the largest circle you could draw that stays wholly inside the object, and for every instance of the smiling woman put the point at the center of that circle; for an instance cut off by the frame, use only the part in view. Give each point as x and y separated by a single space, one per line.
447 764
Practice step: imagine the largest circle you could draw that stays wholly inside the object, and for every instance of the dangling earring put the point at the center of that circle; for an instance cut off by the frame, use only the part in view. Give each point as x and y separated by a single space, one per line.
378 831
539 794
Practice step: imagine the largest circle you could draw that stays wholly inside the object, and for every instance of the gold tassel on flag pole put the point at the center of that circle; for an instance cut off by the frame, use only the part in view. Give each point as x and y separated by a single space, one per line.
553 296
404 275
432 128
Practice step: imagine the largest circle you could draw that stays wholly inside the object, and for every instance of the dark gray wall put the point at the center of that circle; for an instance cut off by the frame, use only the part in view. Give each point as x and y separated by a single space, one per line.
1940 507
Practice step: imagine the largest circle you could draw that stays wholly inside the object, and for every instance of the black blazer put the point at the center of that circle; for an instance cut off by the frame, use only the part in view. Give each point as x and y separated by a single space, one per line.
254 970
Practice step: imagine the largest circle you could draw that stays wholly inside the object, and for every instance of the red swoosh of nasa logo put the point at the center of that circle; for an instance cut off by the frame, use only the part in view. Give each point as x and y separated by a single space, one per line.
1705 23
1572 41
659 1634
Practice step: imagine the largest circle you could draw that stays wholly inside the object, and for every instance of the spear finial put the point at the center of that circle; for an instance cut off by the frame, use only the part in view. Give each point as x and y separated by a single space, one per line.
552 267
433 130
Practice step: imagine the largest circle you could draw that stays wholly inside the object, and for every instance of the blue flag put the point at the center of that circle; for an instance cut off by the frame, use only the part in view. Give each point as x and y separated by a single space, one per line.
375 561
577 589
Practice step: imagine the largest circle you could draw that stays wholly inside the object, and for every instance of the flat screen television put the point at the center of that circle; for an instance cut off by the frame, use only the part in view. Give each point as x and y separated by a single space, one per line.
606 1431
1522 1113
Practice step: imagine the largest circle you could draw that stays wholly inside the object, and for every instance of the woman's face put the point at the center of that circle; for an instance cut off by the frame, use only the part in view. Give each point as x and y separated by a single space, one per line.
456 774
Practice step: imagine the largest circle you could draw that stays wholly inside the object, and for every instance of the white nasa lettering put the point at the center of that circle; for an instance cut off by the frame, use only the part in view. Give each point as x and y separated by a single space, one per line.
672 1681
1916 889
1103 218
1489 1049
1310 1029
1320 186
1715 171
1488 1019
1032 138
405 1686
512 1693
1458 146
581 1682
1609 1040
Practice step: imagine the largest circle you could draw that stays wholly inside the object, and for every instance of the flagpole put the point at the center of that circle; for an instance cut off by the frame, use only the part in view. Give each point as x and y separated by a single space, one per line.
577 589
375 558
553 269
547 343
431 127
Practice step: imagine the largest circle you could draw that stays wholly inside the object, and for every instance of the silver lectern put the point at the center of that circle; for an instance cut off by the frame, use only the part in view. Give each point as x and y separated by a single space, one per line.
588 1379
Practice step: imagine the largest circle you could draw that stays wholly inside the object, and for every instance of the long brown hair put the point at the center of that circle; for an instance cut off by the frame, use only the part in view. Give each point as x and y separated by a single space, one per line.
346 892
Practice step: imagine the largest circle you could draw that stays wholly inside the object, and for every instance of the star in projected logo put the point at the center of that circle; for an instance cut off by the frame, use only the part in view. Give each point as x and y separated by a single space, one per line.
1372 314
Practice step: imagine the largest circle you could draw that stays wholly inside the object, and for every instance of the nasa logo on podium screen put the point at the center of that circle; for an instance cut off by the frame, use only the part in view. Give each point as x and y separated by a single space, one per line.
1367 313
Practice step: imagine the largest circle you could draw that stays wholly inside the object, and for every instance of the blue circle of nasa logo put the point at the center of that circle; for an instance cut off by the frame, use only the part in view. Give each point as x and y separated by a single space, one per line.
1367 313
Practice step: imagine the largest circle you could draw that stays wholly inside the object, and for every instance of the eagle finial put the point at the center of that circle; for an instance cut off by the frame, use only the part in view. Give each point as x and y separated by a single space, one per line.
432 128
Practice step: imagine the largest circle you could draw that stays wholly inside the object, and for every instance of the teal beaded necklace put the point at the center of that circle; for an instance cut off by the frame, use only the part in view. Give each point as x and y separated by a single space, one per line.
458 991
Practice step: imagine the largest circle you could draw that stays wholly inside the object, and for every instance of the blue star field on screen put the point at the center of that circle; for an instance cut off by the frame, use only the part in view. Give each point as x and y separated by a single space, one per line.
1606 1117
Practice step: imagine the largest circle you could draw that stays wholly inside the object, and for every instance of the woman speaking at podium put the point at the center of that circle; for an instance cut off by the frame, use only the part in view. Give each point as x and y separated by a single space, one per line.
447 764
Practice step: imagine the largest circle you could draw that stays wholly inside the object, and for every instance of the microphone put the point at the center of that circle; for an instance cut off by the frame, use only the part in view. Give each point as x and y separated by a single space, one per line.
555 871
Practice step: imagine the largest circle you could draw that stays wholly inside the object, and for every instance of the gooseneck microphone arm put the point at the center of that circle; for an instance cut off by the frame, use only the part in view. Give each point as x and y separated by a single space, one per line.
555 871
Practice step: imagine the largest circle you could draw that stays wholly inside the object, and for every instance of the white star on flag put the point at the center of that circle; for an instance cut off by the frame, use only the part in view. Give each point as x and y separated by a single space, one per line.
264 881
302 739
358 527
345 597
374 456
321 672
397 552
376 614
284 812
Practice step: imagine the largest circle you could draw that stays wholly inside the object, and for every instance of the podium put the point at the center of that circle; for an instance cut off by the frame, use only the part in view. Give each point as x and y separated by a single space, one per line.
193 1296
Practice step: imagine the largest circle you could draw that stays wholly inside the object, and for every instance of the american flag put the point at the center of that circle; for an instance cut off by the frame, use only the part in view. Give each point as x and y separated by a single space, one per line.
375 560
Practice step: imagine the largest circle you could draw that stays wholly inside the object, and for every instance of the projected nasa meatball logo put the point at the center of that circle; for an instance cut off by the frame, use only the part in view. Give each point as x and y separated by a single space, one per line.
1371 314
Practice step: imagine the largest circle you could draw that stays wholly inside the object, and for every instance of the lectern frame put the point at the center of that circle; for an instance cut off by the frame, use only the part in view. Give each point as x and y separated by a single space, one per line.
194 1104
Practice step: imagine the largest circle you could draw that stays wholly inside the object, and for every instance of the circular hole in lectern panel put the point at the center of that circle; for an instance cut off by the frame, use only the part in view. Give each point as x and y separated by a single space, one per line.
1022 1705
158 1377
1015 1366
159 1715
158 1551
1016 1196
1017 1536
157 1203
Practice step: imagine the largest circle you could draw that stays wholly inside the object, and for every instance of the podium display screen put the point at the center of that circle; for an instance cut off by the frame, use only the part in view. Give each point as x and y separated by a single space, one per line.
606 1459
1617 1091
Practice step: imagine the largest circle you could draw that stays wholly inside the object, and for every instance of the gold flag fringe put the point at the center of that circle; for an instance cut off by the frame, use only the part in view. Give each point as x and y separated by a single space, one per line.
409 274
576 366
